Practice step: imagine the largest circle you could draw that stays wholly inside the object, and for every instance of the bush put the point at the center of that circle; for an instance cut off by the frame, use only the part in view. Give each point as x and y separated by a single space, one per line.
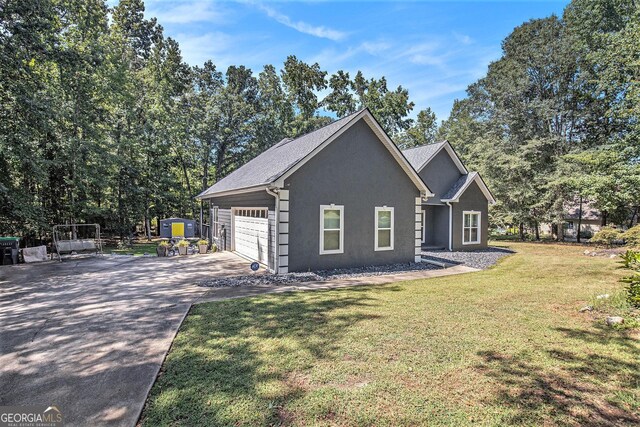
164 244
606 236
631 260
586 234
202 242
183 243
632 236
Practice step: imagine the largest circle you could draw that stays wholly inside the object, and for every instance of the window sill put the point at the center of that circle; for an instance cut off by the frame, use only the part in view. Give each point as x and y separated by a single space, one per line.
332 252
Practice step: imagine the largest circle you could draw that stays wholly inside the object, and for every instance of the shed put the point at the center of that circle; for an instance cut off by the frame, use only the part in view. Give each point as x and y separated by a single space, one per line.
177 227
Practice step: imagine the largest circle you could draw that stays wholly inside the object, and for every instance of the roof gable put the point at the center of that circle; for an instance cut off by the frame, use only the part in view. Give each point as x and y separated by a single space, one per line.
272 163
459 187
277 163
419 157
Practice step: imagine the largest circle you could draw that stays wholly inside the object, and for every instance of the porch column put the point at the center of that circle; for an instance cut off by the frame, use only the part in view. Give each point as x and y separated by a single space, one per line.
283 232
418 230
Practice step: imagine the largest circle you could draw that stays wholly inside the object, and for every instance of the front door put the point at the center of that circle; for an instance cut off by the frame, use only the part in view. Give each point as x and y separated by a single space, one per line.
177 229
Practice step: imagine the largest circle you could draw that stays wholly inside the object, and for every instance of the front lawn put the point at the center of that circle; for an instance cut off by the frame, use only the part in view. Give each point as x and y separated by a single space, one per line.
499 347
138 249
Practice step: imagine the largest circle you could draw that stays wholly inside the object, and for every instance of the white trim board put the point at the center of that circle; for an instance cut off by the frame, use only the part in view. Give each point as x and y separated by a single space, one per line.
378 209
205 196
340 250
479 240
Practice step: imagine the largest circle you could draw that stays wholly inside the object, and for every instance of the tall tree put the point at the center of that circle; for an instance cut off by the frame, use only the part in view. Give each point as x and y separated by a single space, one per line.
422 132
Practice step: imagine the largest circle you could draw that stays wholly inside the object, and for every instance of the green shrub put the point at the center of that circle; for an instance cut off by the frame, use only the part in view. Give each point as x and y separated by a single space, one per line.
164 244
631 260
606 236
586 234
183 243
202 242
632 236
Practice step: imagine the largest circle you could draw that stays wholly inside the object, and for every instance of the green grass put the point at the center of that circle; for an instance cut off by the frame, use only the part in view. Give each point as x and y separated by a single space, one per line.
505 346
135 249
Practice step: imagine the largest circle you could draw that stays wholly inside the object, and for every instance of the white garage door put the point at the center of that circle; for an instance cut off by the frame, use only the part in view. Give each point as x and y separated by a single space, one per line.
251 233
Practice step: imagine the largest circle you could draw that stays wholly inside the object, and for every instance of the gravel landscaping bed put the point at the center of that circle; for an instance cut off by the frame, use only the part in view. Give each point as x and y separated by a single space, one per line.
481 258
291 278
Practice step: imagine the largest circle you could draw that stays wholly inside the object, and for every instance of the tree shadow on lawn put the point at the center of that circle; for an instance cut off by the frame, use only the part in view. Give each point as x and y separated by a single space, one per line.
577 389
237 362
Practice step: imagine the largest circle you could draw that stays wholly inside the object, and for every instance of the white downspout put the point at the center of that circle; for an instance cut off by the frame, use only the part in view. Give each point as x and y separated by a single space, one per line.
450 226
276 259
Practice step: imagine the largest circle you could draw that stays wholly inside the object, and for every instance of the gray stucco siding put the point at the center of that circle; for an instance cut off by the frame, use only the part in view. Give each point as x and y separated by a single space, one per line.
255 199
358 172
439 175
473 199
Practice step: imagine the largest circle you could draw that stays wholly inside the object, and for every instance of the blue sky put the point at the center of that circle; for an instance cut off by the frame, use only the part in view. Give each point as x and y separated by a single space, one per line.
435 49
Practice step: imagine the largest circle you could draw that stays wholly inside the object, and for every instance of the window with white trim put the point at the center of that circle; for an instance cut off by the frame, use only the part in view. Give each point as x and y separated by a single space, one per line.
331 229
384 229
470 227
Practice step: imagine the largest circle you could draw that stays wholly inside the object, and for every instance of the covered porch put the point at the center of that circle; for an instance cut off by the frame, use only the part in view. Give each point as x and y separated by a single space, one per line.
435 227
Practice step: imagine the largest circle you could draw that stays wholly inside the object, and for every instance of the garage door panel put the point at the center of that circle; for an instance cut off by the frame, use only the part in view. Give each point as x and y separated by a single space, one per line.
251 237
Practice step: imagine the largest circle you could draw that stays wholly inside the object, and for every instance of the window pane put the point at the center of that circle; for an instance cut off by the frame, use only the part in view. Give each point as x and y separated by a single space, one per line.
474 220
384 238
474 234
467 220
384 219
332 218
331 240
467 233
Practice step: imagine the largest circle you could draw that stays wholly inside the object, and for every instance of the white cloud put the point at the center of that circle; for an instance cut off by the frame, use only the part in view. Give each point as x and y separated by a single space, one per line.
196 49
463 38
375 48
303 27
184 12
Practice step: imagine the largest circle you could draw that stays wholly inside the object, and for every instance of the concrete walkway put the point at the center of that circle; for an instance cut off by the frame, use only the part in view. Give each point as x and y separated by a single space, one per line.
89 336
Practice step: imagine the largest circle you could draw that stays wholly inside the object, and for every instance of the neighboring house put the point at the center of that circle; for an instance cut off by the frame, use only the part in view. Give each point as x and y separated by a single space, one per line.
341 196
590 224
455 217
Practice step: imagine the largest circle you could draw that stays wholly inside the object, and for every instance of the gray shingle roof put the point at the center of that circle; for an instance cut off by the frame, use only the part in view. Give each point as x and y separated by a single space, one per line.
418 156
588 211
458 185
274 162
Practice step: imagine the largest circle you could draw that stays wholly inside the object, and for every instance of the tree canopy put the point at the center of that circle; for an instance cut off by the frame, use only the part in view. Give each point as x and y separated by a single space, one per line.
102 120
555 119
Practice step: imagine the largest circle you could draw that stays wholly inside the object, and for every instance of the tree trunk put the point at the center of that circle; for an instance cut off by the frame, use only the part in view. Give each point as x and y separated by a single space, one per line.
579 221
147 224
604 218
522 231
537 227
633 216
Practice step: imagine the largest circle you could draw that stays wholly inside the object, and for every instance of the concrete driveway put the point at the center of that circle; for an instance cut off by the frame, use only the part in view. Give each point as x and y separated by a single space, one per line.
90 335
